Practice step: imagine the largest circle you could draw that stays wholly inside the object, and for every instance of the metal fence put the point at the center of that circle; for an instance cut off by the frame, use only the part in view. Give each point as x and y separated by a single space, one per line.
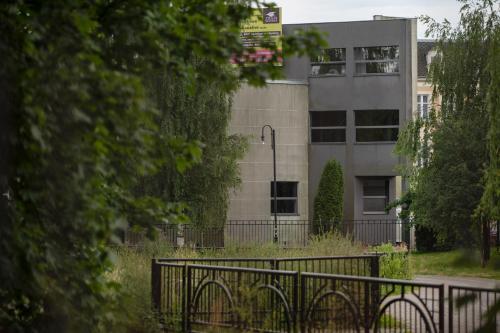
469 308
215 296
291 233
171 281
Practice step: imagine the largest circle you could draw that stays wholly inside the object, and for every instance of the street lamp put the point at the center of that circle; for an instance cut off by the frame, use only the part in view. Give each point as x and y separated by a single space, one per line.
275 200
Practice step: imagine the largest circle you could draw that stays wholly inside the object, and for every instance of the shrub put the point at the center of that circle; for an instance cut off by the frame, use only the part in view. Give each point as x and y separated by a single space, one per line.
394 262
329 200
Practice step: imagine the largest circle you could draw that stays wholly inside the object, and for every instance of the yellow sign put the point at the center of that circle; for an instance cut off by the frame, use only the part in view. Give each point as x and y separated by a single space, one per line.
263 25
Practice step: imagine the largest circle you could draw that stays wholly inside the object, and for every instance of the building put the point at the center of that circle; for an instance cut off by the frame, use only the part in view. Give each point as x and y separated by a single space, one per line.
425 54
349 104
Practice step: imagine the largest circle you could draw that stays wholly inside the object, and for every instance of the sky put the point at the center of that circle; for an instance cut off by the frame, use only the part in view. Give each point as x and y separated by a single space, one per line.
313 11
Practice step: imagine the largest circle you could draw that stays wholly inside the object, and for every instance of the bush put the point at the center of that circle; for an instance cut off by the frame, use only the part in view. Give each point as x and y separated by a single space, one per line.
329 200
394 263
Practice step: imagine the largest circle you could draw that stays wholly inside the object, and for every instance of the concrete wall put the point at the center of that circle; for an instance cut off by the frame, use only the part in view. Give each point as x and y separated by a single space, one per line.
284 106
352 92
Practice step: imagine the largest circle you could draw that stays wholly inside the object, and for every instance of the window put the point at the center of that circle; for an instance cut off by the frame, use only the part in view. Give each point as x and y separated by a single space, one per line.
376 125
377 59
329 62
423 105
286 198
375 195
328 126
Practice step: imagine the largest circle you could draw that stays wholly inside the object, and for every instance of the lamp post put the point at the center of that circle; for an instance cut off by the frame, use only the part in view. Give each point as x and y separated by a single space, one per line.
275 200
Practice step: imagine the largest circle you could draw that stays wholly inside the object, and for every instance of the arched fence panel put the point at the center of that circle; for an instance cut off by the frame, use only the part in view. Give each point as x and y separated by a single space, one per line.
210 295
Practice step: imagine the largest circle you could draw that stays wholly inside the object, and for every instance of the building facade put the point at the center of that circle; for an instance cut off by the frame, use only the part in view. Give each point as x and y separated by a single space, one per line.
348 104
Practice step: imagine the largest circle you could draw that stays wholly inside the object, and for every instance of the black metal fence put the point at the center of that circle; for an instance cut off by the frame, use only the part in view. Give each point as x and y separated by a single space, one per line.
214 296
173 285
291 233
473 308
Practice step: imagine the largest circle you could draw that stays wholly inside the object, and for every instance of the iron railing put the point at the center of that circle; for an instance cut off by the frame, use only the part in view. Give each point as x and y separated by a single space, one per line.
472 308
170 277
291 233
215 296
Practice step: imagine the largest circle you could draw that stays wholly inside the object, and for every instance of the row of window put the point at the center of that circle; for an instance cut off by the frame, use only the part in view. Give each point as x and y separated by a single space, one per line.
375 196
371 126
367 60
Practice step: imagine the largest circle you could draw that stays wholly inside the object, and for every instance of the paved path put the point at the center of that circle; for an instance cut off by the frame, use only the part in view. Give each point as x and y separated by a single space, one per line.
469 318
459 281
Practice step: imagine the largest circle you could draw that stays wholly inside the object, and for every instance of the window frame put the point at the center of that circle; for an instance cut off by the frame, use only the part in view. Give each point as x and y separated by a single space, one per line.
311 128
278 198
338 62
366 61
420 104
386 196
356 127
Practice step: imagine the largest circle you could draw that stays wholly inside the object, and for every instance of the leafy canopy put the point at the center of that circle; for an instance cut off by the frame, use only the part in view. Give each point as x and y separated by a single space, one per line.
79 135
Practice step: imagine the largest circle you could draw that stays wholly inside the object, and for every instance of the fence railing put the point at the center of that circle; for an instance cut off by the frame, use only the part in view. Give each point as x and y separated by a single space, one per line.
469 308
291 233
170 275
214 296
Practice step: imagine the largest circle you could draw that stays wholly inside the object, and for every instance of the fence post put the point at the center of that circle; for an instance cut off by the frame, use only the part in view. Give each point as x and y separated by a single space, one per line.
156 285
184 297
303 291
367 307
295 302
441 309
450 310
187 309
375 266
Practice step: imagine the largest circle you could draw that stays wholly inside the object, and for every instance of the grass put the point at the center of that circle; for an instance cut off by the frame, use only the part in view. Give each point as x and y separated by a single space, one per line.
133 266
455 263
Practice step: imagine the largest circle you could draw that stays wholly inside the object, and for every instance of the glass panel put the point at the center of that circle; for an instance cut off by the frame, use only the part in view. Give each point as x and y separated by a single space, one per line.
374 204
377 67
327 135
327 118
327 55
285 189
285 206
376 53
375 187
328 69
376 117
376 134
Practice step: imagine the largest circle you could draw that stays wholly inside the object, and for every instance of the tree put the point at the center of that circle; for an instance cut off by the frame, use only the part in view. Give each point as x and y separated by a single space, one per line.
329 200
448 187
82 134
204 117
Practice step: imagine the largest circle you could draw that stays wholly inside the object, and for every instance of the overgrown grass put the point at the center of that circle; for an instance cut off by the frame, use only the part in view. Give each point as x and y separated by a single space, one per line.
132 270
455 263
133 266
394 264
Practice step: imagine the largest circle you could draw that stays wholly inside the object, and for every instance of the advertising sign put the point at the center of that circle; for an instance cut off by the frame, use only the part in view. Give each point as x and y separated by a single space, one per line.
263 25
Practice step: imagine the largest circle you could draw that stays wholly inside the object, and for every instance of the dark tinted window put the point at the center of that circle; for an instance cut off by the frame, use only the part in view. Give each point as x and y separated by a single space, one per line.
285 189
327 118
376 134
327 135
376 117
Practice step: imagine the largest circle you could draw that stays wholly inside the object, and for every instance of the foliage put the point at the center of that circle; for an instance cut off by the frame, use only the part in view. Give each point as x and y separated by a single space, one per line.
447 151
132 269
329 200
82 135
394 262
205 186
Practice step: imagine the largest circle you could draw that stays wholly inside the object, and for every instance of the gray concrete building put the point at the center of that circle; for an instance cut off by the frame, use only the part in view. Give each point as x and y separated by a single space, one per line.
359 93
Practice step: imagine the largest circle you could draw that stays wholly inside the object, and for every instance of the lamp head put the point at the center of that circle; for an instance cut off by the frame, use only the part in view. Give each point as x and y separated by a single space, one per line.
262 138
